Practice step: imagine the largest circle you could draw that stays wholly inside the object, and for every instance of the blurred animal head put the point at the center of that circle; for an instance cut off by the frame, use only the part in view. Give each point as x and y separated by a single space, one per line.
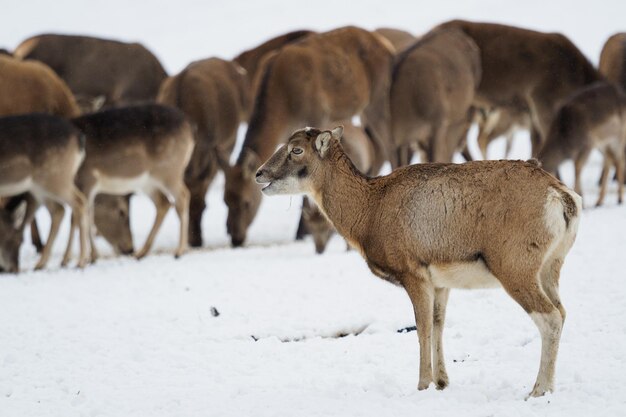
11 235
241 195
112 220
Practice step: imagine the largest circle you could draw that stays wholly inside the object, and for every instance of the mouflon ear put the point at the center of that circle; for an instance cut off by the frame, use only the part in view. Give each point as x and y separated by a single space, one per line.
337 132
322 143
250 163
534 161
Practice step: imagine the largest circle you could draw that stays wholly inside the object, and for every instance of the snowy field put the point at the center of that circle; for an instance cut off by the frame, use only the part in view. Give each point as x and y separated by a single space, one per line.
128 338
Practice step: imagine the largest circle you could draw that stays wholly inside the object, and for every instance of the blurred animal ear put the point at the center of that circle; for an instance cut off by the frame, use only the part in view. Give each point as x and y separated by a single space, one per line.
250 163
337 132
322 143
19 215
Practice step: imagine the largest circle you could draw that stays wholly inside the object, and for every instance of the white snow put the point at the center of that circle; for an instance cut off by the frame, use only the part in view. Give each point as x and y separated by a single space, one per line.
138 338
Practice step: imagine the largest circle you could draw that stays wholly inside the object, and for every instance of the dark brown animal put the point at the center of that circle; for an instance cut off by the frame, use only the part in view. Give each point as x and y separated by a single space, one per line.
253 59
593 117
122 73
538 69
330 76
40 155
101 73
143 148
213 93
32 87
432 227
250 60
433 86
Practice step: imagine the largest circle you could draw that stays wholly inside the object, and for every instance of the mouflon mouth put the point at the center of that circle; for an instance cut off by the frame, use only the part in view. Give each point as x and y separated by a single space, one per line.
262 180
269 190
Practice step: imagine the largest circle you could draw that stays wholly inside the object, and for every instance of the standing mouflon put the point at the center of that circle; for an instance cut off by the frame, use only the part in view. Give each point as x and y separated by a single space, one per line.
433 227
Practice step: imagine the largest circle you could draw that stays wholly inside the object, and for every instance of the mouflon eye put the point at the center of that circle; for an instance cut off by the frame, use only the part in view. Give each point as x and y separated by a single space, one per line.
297 151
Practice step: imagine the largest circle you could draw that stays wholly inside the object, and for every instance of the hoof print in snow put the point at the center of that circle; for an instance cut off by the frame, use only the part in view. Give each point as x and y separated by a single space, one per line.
214 312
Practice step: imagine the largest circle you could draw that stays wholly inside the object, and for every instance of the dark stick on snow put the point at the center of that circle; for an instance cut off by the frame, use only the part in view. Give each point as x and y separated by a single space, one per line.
407 329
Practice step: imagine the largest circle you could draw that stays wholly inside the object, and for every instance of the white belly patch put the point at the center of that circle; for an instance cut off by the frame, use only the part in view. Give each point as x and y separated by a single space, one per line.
16 187
463 275
126 185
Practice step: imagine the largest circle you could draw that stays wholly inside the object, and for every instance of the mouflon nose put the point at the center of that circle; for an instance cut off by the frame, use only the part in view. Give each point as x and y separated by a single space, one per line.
261 177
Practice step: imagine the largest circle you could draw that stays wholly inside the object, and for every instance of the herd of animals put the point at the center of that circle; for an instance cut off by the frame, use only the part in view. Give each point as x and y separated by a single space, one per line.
87 122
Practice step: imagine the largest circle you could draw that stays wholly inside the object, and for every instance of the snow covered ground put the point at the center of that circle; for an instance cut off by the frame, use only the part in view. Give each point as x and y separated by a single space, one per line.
129 338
